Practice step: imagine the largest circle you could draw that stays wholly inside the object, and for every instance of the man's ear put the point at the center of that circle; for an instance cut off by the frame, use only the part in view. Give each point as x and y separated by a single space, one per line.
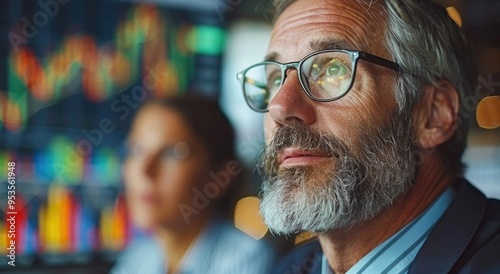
436 115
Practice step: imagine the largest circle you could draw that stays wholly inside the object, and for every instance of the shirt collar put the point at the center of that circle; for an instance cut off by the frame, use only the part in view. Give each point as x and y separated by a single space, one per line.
198 257
398 252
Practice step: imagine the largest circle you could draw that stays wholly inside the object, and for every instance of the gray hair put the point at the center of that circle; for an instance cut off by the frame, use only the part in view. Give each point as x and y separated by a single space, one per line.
429 46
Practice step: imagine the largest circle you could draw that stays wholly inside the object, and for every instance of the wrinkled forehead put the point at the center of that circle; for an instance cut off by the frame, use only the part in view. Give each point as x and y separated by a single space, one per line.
306 24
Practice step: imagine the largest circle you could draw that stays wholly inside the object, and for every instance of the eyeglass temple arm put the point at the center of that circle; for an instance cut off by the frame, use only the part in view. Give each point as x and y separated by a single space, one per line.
379 61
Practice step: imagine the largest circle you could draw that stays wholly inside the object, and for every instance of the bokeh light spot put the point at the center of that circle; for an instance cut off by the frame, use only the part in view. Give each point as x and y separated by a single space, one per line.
488 112
455 15
248 219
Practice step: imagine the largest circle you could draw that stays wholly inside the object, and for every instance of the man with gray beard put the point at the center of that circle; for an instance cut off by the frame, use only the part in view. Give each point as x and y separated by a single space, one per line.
356 187
365 130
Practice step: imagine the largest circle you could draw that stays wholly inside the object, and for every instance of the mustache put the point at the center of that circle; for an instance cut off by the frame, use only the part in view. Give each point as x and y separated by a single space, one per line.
303 138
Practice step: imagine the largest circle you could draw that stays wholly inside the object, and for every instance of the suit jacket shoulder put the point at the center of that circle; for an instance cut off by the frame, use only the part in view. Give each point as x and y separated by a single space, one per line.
466 239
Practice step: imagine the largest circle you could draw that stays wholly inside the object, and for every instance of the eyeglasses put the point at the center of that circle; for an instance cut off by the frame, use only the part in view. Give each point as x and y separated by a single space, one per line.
325 76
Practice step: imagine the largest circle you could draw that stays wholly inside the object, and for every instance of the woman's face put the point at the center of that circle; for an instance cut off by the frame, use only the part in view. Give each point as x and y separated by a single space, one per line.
166 162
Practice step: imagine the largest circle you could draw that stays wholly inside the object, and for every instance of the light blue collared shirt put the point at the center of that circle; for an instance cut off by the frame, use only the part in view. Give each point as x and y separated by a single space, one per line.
396 254
219 249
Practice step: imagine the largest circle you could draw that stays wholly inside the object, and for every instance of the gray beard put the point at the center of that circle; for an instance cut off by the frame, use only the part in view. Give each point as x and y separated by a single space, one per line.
353 188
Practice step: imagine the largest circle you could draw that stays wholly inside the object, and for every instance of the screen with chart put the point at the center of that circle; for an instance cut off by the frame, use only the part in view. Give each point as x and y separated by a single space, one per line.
72 75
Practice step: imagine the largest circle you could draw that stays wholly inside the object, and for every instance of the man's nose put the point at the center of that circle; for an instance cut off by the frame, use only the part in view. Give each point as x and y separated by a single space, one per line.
291 104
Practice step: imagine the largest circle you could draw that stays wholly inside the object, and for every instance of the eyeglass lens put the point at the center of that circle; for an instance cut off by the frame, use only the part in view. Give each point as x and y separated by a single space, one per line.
326 75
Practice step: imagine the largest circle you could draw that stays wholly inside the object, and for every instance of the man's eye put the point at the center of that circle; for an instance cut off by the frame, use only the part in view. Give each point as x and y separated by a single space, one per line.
276 82
332 68
273 80
336 68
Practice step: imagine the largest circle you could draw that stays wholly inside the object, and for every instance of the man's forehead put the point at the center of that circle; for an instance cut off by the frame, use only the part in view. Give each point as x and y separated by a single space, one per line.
357 8
316 45
321 24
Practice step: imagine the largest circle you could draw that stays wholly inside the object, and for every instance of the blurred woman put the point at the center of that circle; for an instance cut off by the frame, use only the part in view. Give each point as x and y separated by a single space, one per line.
179 178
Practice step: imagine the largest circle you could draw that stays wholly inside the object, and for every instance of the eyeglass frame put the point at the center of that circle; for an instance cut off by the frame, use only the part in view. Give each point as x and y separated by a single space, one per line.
355 55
